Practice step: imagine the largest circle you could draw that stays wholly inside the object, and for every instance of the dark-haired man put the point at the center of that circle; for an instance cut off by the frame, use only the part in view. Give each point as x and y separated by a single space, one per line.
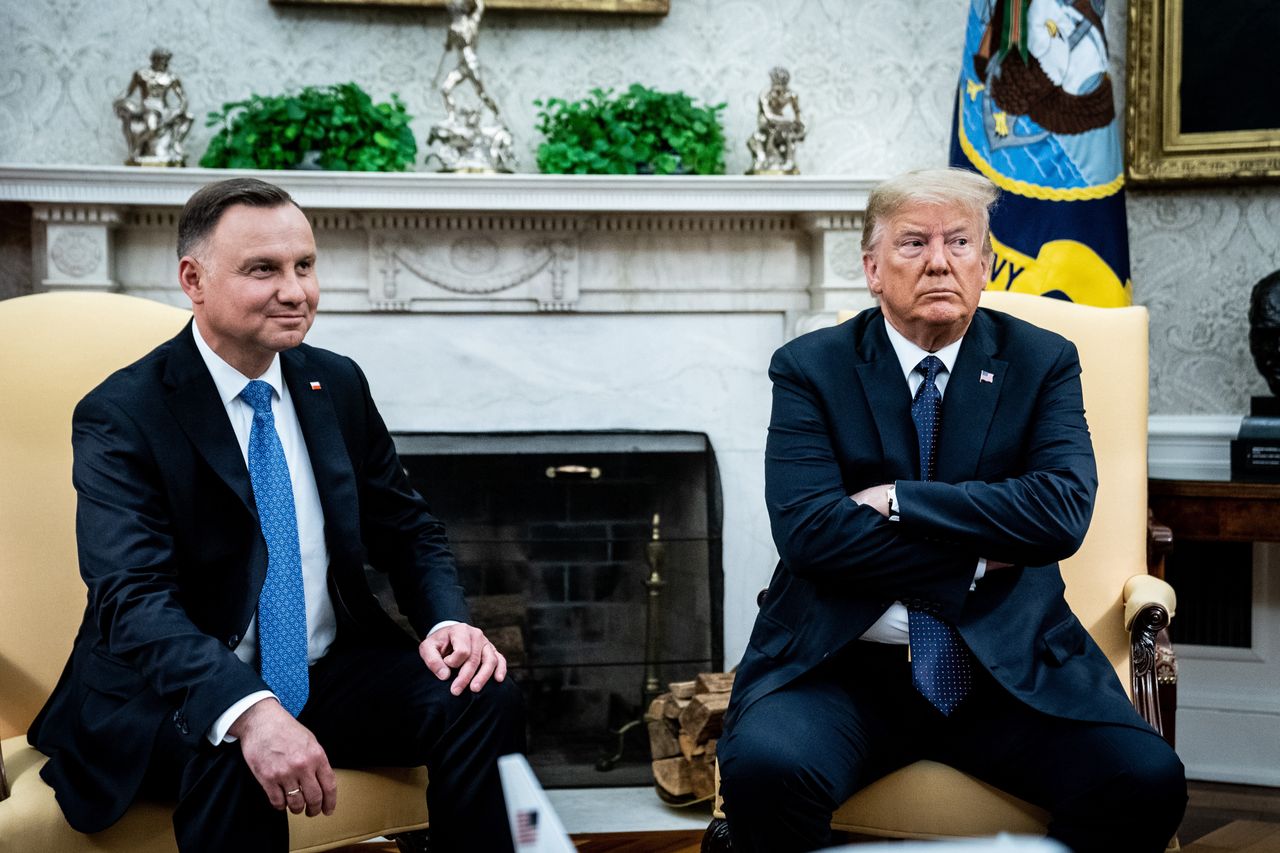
231 486
917 610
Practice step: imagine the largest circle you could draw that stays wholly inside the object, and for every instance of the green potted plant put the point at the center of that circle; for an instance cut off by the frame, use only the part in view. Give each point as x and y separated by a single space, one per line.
335 127
640 131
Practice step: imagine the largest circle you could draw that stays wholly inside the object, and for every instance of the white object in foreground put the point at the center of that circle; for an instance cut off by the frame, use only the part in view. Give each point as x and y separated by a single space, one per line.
535 827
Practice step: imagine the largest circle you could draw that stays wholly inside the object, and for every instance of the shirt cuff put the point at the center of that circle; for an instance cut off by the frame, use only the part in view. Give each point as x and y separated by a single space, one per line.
217 733
444 624
978 573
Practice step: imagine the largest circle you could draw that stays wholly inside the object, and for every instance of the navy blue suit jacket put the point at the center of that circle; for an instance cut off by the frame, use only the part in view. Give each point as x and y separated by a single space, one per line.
1015 482
174 559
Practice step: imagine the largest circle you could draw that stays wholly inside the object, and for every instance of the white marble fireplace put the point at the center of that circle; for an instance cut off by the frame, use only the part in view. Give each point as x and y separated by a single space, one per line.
526 303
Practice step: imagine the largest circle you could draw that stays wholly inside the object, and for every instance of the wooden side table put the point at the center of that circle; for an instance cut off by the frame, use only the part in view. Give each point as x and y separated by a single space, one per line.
1216 511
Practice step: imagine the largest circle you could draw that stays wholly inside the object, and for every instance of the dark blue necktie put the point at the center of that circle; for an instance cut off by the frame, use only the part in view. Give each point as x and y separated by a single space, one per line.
940 666
282 605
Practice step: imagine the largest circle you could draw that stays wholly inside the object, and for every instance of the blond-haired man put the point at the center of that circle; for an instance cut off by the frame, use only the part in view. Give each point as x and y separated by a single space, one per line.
917 610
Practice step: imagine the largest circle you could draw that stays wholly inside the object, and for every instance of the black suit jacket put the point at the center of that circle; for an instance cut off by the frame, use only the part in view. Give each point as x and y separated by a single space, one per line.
173 556
1015 482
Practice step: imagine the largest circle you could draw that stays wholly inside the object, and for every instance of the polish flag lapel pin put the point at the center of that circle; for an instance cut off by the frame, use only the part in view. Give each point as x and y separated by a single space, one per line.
315 386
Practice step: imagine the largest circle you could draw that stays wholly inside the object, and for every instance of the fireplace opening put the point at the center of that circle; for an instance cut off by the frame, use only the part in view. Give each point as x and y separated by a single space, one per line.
593 562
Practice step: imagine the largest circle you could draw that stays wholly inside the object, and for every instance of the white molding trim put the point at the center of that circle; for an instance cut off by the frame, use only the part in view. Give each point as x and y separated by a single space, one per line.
1230 654
1227 701
1191 447
134 186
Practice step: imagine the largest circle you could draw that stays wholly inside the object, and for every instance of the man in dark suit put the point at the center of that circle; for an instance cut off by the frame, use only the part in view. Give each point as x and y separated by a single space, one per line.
917 610
231 485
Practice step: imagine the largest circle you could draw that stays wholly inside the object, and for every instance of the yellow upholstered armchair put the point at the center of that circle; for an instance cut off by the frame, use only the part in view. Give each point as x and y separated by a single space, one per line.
1108 587
53 349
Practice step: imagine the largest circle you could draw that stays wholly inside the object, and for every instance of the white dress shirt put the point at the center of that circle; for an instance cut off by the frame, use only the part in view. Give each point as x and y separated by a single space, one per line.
322 625
891 627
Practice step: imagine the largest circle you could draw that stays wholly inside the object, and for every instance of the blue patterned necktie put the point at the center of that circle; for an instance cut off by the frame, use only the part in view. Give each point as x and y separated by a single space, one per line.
282 606
940 666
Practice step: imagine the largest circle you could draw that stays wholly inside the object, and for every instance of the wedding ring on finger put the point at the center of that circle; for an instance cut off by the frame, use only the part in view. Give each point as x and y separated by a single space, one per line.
293 792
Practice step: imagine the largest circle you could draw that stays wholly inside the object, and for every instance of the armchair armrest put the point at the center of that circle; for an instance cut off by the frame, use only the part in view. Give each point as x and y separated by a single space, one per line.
1143 591
1149 604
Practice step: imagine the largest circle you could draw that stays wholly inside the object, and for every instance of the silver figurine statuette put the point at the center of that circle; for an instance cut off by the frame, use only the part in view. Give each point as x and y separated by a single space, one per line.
153 114
465 141
778 132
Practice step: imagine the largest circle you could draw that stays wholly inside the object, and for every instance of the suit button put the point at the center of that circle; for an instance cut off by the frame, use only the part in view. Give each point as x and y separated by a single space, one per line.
232 640
180 721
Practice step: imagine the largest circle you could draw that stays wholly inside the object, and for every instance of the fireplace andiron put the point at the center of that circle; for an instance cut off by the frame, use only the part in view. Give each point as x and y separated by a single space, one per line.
655 556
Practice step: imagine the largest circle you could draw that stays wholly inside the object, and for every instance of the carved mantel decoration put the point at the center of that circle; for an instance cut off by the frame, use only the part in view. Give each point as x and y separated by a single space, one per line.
411 269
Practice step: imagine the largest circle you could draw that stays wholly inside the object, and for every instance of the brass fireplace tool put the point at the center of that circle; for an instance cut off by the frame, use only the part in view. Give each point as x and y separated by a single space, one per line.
655 556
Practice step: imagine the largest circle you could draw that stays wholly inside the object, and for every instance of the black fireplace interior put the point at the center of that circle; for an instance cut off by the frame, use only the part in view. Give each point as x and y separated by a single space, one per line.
554 538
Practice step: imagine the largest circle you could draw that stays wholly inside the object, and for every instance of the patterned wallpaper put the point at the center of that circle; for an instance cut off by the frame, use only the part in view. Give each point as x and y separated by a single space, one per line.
874 77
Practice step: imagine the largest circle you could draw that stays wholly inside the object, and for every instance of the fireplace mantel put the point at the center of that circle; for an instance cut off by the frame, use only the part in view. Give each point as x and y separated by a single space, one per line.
437 243
433 191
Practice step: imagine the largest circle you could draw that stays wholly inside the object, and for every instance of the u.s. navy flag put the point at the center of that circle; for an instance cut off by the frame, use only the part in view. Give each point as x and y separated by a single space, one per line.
1036 114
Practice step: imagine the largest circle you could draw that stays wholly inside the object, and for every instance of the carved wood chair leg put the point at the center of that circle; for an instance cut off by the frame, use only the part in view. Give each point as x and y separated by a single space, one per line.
413 841
1167 684
716 838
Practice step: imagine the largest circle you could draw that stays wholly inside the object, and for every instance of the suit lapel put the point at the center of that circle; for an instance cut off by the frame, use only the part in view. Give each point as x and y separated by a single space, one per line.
969 403
193 400
335 479
889 399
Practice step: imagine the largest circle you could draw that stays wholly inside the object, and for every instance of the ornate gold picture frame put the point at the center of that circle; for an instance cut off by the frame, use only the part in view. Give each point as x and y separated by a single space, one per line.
636 7
1158 148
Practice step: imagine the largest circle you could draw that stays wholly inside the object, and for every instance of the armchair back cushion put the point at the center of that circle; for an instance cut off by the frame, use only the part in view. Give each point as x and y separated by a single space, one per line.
1113 359
54 349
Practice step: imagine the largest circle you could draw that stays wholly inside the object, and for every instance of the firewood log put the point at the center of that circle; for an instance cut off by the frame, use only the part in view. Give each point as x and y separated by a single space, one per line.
673 707
714 682
702 778
683 689
672 775
703 718
663 742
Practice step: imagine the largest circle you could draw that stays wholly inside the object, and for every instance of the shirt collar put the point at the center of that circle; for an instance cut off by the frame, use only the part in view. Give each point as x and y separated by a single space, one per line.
229 381
909 354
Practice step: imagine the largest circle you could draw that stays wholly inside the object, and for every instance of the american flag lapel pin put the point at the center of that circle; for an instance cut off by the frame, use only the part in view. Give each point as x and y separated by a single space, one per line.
984 376
315 386
526 827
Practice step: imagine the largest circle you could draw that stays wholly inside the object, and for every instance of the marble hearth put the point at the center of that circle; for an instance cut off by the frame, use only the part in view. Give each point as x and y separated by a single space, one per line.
525 303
